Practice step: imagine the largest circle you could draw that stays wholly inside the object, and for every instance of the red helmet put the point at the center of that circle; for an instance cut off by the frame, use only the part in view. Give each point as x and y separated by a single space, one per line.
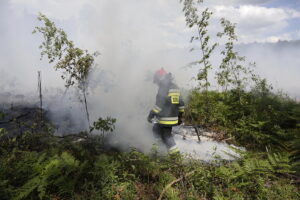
159 75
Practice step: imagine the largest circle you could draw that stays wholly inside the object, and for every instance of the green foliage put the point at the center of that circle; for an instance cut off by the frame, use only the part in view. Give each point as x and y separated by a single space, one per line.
104 125
212 114
231 71
254 119
71 170
2 132
75 62
26 141
234 110
41 166
295 152
203 38
55 176
250 178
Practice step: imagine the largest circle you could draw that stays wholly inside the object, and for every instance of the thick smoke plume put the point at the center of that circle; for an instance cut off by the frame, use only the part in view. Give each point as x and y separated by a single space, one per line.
134 38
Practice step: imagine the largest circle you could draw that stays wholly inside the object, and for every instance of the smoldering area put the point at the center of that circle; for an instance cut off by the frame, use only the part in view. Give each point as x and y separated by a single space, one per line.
120 85
66 114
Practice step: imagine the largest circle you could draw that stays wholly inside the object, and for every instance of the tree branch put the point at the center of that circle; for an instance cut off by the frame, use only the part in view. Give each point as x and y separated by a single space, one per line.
173 182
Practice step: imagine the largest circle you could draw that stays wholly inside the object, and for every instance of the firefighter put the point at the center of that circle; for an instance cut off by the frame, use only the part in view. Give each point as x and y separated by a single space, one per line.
168 109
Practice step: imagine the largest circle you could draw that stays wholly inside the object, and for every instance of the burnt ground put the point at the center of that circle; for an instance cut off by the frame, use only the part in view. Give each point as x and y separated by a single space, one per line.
22 118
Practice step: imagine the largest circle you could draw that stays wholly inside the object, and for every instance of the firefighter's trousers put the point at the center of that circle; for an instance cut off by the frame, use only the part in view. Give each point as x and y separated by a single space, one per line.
165 133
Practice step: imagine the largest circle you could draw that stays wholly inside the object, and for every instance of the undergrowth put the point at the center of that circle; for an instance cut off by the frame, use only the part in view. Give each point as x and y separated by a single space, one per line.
67 169
41 166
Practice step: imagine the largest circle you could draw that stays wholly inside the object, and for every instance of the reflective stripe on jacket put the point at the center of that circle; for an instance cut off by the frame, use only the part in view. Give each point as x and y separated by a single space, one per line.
169 104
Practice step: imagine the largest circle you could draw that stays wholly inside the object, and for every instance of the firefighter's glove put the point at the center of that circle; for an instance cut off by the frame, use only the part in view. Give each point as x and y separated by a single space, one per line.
150 116
149 119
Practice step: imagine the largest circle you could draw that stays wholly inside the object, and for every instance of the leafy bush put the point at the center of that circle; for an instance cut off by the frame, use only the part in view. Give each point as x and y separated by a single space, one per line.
65 169
255 120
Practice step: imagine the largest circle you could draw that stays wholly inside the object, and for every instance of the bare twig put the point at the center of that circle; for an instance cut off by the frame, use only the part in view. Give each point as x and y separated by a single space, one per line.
173 182
70 135
40 94
86 107
197 131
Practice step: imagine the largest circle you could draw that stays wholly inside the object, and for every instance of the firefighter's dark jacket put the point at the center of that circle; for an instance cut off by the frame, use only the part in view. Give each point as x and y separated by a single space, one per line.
169 104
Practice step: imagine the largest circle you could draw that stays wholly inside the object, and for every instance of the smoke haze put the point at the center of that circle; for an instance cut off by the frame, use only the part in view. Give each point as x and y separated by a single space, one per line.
134 38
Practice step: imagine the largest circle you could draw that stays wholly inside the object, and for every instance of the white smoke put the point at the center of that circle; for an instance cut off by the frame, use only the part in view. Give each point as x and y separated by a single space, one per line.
134 38
207 150
278 63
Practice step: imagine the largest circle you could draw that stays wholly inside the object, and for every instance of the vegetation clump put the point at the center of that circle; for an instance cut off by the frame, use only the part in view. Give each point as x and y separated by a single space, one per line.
246 111
75 63
66 169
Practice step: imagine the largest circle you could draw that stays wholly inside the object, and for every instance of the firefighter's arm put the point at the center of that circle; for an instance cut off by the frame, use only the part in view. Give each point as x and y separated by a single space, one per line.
151 116
156 108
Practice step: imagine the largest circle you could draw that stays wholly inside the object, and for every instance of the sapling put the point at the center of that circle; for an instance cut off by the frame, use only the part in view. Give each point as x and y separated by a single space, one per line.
74 62
232 71
202 38
104 125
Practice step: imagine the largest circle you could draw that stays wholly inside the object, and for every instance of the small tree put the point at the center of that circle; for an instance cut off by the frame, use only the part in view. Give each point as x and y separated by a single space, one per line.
74 62
232 72
202 37
104 125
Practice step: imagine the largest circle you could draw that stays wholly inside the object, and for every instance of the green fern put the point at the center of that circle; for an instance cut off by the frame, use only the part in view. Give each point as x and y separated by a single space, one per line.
295 154
29 187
